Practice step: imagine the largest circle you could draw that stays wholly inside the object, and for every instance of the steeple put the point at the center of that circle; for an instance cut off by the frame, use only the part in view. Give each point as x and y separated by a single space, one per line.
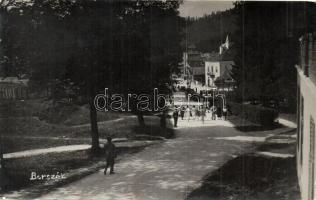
224 46
227 42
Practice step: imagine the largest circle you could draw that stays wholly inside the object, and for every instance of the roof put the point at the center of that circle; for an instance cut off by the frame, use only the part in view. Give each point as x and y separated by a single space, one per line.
227 55
213 57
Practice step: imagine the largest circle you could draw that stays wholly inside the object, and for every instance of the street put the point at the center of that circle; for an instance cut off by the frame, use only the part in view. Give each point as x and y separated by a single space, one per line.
170 170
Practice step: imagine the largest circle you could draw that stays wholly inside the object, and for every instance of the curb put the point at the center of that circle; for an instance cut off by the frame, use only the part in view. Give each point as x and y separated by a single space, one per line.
279 133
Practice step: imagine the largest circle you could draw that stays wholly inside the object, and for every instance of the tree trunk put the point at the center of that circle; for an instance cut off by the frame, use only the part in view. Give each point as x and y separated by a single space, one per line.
94 128
141 120
93 112
163 121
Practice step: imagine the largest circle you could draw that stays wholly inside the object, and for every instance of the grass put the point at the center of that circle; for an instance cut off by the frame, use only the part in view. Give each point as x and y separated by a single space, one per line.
32 133
55 113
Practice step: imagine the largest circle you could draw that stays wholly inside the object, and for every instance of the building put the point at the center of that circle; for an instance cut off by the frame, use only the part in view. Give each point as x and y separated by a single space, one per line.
306 116
13 88
198 66
220 65
193 64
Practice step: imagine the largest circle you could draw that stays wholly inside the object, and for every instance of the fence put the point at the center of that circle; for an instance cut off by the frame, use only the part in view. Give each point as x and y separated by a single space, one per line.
13 91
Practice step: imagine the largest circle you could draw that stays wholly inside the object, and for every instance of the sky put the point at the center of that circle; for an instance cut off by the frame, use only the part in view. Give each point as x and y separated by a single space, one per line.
198 8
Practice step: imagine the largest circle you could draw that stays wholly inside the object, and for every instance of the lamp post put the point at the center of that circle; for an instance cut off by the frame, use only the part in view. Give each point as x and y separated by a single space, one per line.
212 76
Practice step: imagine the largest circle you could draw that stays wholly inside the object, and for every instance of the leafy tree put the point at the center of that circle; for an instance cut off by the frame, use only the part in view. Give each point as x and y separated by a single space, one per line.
266 42
209 31
129 47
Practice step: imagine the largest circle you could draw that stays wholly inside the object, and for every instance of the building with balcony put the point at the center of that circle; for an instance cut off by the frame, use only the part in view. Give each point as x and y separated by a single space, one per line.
306 116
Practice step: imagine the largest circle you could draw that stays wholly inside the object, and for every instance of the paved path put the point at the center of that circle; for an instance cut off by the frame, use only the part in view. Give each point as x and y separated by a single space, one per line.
166 171
122 142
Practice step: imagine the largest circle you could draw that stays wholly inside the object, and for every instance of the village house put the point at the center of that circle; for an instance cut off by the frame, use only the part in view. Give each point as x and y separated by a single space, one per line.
306 116
197 66
219 64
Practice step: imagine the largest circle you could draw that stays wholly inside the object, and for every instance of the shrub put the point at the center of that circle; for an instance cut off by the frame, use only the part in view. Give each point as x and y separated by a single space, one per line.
254 113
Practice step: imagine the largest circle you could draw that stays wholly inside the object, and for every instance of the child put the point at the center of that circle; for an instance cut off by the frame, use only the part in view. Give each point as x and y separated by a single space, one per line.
110 155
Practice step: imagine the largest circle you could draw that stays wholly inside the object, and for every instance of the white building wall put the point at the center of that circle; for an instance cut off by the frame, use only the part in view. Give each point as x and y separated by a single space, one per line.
308 91
208 69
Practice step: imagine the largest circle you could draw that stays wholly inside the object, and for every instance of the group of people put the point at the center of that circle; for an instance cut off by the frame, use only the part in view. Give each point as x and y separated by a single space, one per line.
198 113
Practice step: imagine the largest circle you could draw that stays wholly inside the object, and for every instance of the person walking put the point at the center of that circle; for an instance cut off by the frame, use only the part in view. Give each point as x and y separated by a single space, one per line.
203 113
175 117
213 110
219 113
193 112
110 155
198 112
188 112
182 111
225 113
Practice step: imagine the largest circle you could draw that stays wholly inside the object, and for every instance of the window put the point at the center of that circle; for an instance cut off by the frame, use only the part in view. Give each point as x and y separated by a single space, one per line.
212 69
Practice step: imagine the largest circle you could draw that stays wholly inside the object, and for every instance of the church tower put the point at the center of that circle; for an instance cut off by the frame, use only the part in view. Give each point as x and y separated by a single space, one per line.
227 42
224 46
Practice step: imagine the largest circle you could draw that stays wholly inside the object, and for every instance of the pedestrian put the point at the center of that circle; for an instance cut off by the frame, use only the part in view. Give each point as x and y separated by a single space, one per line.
182 111
219 113
175 116
188 112
203 113
225 113
110 155
198 112
193 112
213 110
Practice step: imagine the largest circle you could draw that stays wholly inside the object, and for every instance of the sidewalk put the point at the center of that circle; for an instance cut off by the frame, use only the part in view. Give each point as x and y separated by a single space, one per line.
120 142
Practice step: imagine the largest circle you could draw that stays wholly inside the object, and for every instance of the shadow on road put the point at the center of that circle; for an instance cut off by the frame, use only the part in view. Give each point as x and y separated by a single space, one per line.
250 177
258 128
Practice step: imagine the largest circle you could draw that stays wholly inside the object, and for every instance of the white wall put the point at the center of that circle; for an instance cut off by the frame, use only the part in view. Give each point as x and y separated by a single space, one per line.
308 91
208 68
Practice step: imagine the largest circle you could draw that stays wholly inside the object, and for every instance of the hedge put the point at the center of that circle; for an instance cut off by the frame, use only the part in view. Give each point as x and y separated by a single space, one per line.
253 113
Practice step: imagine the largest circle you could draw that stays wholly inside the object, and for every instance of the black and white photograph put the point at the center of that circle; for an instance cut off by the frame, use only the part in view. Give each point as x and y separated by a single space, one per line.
157 100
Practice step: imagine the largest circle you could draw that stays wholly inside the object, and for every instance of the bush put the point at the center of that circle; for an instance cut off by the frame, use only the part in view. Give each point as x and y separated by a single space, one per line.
253 113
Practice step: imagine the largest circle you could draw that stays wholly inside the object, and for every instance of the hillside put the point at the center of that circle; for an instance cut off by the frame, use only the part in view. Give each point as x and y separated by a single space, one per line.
208 32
